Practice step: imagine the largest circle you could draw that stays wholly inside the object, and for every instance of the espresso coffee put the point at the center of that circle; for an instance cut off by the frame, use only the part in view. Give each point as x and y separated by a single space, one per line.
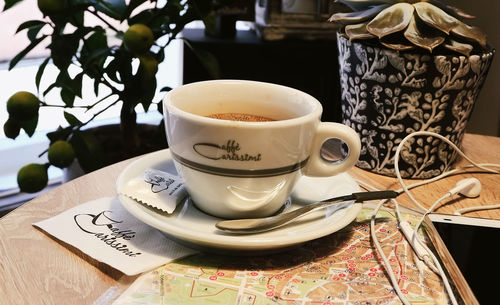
244 117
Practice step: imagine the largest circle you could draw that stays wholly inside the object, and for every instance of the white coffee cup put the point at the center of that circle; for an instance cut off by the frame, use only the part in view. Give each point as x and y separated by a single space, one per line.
238 169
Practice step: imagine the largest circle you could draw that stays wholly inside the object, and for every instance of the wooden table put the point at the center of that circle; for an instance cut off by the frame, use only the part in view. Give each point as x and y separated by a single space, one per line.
37 269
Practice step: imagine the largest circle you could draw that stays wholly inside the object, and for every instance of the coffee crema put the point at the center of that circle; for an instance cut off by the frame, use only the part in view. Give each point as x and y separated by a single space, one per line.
243 117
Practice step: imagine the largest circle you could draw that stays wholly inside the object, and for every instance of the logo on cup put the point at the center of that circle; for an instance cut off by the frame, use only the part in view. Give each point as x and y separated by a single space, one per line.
228 151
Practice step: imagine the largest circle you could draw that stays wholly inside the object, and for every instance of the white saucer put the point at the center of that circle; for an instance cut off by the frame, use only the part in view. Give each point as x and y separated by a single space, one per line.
191 227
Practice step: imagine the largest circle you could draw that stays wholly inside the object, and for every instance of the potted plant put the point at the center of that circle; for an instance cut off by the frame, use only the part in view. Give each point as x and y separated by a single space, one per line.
407 66
120 51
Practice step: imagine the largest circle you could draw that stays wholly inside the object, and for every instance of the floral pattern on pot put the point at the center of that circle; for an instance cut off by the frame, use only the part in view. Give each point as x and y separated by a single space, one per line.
387 95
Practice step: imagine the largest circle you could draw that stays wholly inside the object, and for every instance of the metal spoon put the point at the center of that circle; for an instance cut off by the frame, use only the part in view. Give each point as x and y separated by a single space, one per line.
256 225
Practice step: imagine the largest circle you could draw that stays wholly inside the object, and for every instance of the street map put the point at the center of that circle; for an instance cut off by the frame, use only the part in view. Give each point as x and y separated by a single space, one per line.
341 268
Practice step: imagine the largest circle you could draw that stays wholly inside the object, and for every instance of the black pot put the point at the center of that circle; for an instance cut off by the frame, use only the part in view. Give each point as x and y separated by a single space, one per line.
387 95
104 145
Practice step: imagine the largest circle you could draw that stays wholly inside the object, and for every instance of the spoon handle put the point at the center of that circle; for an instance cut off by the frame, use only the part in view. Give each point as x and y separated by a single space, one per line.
255 225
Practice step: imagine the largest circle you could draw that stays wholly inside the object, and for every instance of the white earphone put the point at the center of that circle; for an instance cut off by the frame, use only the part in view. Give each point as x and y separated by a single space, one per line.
469 187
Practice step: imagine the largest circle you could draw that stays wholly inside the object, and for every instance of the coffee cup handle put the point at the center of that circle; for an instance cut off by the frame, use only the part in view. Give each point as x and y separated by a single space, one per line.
317 166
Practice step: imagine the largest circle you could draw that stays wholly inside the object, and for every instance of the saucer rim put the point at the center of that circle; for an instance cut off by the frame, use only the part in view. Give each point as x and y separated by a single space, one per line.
257 241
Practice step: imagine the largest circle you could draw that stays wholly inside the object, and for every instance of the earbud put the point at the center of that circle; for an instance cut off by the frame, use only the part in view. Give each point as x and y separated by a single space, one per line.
470 187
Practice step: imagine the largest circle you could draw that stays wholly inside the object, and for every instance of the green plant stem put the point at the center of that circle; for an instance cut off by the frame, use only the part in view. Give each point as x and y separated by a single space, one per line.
60 106
43 152
128 125
128 117
98 113
99 101
95 13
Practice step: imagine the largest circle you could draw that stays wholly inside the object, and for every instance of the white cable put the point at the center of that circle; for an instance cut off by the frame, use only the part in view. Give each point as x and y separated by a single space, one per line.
429 210
430 263
433 267
462 169
432 134
476 208
425 252
415 240
387 265
373 234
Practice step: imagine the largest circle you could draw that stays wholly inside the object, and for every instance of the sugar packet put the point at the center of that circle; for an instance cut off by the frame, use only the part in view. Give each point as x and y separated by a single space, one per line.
157 189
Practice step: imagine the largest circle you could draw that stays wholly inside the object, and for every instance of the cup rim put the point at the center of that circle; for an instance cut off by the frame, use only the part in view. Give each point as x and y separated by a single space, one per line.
316 111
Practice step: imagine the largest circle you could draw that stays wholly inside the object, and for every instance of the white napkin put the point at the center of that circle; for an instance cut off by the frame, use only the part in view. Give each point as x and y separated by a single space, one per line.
104 230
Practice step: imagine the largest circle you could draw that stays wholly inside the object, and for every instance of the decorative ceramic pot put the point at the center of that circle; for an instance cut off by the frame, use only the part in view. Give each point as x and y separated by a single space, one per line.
387 95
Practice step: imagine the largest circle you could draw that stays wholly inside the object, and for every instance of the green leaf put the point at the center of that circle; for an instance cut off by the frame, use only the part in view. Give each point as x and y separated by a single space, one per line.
113 8
470 32
462 48
68 97
358 31
88 150
144 17
435 17
76 17
160 56
148 96
391 20
111 70
148 67
29 126
207 59
358 16
131 6
63 48
33 31
29 24
97 40
71 119
96 87
39 73
63 81
10 3
49 88
76 84
23 53
70 88
397 41
423 35
59 134
124 67
94 60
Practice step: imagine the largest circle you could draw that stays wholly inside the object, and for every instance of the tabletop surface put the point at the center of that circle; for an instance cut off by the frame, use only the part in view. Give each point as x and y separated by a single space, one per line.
38 269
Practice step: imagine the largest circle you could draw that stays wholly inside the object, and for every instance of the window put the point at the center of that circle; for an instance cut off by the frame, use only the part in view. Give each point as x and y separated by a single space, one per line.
16 153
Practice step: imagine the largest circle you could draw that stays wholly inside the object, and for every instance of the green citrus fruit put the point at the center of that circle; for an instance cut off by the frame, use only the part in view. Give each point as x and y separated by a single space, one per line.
23 106
11 128
61 154
147 68
52 7
32 178
138 38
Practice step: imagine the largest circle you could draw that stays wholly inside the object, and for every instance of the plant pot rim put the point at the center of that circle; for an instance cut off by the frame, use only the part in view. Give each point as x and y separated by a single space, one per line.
487 53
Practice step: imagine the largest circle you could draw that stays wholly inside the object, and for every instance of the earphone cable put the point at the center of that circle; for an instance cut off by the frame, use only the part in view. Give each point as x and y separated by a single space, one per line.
447 173
432 262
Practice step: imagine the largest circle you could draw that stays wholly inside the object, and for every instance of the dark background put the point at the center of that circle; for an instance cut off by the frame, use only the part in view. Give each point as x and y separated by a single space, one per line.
310 66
